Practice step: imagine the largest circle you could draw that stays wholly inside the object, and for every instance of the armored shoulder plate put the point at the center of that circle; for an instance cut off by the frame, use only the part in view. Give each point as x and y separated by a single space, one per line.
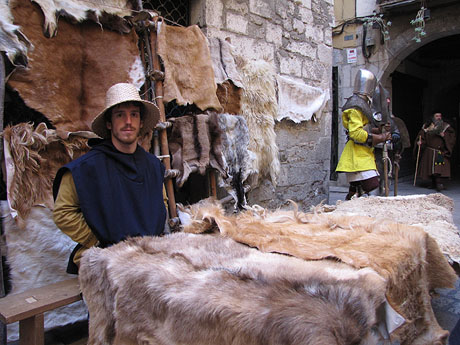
357 102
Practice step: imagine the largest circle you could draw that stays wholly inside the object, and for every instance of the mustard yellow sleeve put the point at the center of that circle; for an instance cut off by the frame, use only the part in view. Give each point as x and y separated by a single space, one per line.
356 122
68 216
165 197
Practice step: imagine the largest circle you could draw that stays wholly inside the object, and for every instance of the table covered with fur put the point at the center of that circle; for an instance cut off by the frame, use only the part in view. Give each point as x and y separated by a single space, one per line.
344 280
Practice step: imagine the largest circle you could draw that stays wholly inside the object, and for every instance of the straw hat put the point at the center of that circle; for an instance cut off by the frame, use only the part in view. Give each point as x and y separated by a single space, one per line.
120 93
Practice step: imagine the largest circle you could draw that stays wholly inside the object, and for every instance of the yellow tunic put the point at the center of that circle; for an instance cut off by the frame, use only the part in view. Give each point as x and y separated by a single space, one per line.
356 157
68 217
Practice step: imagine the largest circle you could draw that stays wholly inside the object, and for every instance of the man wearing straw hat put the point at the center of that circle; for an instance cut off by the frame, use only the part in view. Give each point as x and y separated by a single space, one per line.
115 190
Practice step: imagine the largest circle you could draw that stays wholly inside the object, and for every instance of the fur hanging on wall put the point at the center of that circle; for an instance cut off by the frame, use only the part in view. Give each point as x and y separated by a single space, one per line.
12 40
407 257
67 76
259 108
240 160
207 290
32 158
195 143
189 77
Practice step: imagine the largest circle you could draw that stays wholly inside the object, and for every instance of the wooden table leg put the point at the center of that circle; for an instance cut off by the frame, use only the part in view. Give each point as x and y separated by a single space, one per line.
32 330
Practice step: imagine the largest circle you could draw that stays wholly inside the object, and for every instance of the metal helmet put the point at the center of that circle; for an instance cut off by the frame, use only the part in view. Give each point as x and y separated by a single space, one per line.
380 105
365 83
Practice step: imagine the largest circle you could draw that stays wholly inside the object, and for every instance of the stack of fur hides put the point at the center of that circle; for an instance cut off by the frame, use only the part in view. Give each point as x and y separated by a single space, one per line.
208 290
406 257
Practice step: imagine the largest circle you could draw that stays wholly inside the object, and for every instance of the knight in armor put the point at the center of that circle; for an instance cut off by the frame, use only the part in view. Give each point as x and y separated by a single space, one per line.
357 159
384 123
435 143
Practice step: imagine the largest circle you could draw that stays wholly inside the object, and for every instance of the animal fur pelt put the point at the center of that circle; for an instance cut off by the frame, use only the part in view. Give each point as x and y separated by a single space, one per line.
37 255
259 108
108 13
207 290
223 62
189 77
240 160
12 40
432 212
195 143
229 97
68 75
32 158
407 257
298 101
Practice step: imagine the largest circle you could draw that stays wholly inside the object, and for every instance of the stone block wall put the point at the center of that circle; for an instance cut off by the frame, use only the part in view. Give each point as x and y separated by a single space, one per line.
294 35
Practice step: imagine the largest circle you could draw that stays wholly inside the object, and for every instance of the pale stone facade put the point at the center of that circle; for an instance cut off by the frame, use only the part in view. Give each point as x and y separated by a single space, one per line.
295 35
390 56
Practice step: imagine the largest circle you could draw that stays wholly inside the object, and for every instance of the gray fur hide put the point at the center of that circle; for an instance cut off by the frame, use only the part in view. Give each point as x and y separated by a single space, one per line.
240 166
37 255
204 289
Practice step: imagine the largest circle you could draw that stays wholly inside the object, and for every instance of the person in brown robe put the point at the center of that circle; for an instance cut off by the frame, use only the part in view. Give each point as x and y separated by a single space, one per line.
436 142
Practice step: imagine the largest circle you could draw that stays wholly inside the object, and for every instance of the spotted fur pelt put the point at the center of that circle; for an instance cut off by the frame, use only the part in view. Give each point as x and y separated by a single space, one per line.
204 289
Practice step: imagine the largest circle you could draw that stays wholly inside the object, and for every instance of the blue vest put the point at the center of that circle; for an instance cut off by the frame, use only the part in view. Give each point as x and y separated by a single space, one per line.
121 195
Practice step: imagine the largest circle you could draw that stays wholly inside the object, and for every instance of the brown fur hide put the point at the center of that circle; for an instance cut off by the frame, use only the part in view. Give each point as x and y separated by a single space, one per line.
408 258
207 290
69 74
195 143
189 77
229 97
107 12
36 155
259 108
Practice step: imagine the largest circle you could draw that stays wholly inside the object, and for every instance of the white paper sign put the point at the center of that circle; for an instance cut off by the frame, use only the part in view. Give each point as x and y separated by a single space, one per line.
352 55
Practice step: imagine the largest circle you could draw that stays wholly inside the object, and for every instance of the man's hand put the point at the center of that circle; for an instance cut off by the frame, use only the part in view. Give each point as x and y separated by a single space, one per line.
380 138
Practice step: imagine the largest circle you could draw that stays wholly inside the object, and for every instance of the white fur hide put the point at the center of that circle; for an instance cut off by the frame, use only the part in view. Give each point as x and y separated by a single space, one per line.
259 108
298 101
38 256
12 41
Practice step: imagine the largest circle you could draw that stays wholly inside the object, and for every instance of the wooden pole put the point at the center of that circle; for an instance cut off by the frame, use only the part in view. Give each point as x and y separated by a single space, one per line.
163 135
213 183
418 157
2 102
385 167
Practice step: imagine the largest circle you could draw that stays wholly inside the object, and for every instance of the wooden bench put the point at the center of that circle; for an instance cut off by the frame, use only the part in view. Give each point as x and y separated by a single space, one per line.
29 307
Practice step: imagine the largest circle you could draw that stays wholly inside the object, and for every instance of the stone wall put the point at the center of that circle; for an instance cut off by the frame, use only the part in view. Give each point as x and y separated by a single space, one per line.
295 35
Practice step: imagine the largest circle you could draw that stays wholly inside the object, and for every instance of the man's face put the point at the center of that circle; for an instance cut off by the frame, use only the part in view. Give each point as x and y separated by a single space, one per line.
437 117
126 124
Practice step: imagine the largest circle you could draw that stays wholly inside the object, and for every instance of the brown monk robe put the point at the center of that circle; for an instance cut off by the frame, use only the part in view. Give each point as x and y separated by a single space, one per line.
436 140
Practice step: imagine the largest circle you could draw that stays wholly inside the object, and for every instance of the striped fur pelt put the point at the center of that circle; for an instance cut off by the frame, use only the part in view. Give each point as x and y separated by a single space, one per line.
240 160
259 108
208 290
407 257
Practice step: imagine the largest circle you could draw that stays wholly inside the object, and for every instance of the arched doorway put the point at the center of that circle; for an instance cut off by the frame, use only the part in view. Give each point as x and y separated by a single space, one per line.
427 80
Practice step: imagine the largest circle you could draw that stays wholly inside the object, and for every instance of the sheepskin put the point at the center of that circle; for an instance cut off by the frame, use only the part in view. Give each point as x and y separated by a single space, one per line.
298 101
12 40
259 108
67 76
407 257
37 255
235 143
205 289
432 212
223 62
189 76
32 158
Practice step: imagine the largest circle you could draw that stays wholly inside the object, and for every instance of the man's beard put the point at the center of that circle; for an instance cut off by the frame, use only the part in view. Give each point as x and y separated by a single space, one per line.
438 126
